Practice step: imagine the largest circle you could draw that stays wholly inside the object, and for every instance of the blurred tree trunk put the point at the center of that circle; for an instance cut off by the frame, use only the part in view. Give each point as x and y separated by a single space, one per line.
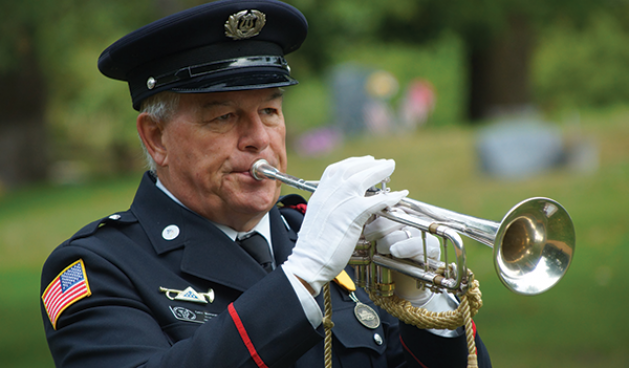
499 72
23 152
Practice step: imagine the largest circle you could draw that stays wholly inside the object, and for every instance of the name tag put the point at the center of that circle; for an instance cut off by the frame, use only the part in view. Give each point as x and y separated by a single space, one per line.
191 315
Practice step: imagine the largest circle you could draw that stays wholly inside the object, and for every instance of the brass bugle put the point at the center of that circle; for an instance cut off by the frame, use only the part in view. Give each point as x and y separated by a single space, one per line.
533 244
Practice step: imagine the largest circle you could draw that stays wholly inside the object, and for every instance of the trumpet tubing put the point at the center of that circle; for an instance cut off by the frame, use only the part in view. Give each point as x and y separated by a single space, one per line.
533 245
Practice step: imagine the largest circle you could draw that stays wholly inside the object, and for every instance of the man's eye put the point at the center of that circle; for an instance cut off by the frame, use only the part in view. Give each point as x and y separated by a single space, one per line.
269 111
224 117
221 123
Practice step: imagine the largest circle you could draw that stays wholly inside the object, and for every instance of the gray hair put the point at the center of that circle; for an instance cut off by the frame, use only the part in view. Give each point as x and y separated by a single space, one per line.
161 108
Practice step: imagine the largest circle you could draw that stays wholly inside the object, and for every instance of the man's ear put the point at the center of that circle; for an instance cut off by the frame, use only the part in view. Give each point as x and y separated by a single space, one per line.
151 134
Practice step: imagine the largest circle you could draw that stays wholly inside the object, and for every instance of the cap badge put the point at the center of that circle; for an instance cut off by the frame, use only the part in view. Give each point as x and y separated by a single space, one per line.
244 24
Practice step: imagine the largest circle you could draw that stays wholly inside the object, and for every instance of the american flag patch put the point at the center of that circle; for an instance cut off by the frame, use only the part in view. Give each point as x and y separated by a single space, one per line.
68 287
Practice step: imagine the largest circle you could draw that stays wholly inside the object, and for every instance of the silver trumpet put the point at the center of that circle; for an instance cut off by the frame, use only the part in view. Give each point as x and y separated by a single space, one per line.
533 244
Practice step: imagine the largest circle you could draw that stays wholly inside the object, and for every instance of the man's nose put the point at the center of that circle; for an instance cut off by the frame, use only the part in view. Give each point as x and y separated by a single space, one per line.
254 135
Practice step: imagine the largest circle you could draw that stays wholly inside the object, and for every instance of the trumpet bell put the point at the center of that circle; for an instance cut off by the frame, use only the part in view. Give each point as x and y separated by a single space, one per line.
534 246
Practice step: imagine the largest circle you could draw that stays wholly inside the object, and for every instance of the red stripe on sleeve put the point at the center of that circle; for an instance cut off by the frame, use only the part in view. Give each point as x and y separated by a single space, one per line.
411 353
245 337
474 330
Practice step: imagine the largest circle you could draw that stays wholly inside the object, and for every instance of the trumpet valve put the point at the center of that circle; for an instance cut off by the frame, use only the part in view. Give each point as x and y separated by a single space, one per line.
361 275
361 260
383 284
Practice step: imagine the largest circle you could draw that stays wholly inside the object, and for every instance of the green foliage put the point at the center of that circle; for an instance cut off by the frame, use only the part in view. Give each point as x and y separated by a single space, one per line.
65 37
306 106
19 27
334 25
583 67
337 23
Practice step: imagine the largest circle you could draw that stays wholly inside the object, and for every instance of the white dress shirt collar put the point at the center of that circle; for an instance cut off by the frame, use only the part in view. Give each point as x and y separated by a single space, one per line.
263 227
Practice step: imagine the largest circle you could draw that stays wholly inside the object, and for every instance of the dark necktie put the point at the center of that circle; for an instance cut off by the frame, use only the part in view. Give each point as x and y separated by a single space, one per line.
258 248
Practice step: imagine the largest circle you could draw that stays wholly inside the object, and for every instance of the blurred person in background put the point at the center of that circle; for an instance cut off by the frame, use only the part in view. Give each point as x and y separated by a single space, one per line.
205 269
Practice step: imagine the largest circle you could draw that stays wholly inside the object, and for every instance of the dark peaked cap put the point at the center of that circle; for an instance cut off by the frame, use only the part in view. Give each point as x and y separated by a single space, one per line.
213 47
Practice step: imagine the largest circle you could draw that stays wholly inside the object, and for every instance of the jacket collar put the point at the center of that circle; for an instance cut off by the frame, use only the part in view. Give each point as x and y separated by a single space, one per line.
207 252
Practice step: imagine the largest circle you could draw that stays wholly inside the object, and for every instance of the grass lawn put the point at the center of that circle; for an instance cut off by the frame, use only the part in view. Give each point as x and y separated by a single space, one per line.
579 323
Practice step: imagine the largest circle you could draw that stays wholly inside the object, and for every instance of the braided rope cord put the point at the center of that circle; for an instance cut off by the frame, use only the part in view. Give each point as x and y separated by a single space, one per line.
422 318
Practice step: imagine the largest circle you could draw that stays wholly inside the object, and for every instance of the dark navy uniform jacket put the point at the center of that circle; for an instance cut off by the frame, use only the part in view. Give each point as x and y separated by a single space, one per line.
255 319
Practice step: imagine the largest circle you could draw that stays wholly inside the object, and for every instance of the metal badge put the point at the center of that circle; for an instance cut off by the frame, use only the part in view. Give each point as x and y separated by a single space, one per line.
150 83
244 24
365 314
170 232
188 315
188 295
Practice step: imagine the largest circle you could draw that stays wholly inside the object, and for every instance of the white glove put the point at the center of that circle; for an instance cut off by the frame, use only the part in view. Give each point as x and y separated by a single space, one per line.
336 214
403 242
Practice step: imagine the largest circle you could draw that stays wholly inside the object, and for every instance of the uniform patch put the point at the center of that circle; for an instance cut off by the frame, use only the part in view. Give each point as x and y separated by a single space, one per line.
67 288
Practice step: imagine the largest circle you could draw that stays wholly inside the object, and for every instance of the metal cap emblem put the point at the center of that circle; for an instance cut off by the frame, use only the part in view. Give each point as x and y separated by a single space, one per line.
244 24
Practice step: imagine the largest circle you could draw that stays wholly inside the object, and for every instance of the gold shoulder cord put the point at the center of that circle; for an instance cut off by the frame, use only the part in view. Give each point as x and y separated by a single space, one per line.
343 280
407 313
327 324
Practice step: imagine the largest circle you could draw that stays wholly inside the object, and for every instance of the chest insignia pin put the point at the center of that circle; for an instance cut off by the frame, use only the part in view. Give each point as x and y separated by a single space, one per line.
188 295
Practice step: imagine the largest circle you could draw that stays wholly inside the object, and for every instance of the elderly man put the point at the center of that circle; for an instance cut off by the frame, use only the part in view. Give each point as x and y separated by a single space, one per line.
204 270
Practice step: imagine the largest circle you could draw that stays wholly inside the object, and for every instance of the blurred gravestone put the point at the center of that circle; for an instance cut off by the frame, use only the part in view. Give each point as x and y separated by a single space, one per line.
349 97
519 148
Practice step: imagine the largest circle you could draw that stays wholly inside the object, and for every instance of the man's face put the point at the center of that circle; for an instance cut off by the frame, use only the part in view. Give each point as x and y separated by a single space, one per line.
210 145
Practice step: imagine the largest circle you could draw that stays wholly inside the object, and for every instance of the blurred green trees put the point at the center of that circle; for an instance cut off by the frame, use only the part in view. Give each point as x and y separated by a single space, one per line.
583 66
55 106
42 69
499 36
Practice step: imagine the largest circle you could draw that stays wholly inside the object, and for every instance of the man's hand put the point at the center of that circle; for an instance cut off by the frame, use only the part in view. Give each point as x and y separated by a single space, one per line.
336 214
403 242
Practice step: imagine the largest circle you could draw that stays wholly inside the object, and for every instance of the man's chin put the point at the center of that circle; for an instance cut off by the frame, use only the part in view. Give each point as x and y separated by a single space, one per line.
259 201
